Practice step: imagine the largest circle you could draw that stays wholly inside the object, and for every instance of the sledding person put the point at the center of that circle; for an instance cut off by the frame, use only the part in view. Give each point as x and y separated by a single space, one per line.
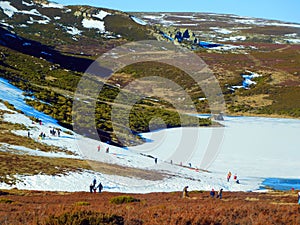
185 193
212 193
100 187
220 193
235 179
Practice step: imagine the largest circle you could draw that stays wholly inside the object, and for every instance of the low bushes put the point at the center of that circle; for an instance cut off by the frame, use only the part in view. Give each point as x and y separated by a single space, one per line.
123 199
85 218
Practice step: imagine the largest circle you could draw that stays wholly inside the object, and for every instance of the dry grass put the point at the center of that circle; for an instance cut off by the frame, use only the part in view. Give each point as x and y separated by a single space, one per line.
36 207
11 165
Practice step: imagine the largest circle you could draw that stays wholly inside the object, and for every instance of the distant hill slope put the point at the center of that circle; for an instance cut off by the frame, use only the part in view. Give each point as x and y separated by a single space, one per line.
46 47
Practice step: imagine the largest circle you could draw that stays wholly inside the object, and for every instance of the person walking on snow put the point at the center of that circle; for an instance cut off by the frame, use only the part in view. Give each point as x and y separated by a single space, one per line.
99 147
228 176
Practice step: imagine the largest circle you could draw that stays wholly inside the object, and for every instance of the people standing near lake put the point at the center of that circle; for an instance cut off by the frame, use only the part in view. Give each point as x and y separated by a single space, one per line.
185 193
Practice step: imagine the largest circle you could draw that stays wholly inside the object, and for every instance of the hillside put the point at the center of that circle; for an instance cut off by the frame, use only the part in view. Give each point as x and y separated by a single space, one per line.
51 151
234 45
34 207
47 47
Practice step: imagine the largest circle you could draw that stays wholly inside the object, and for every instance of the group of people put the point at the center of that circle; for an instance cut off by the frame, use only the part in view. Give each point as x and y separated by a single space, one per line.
94 186
213 193
99 148
234 177
42 136
218 194
53 132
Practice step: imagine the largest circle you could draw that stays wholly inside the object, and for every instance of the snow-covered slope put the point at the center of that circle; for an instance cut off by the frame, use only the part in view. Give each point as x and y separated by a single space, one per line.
254 148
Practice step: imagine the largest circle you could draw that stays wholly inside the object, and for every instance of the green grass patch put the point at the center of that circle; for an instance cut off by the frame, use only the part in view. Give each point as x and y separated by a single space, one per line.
11 165
6 200
123 199
82 203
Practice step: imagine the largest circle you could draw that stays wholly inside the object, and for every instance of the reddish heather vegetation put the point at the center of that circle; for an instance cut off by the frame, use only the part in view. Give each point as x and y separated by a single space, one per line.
55 208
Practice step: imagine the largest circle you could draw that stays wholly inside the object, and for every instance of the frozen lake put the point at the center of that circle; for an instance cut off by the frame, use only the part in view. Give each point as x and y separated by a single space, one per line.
261 151
253 147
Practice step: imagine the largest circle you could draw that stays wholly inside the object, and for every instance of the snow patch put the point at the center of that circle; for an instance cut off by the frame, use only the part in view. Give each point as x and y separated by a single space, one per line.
8 9
52 5
138 20
6 24
294 41
28 4
101 15
221 30
27 151
235 38
266 23
96 24
31 21
73 31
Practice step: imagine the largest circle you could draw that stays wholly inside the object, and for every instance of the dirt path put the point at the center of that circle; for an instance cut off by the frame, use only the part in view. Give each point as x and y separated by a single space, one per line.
282 49
113 169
